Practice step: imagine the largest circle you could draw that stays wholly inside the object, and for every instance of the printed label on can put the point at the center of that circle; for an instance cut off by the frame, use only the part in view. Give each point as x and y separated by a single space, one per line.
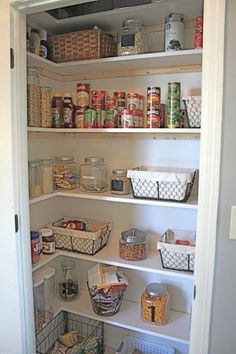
173 121
127 119
173 90
100 118
83 94
133 101
174 36
98 99
153 119
89 118
153 98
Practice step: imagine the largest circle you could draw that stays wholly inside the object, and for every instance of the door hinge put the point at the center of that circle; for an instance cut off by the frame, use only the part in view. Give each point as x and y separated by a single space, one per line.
12 64
16 223
194 292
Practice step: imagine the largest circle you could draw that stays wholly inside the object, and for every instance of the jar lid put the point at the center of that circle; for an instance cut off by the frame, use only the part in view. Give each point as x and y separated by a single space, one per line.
94 159
156 289
49 273
120 172
68 265
57 94
34 235
46 231
133 236
64 158
46 161
133 22
34 163
37 279
174 17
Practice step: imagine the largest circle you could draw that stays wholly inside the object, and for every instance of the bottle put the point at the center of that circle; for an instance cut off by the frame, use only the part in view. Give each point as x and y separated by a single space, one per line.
69 111
57 110
68 284
44 48
132 38
34 41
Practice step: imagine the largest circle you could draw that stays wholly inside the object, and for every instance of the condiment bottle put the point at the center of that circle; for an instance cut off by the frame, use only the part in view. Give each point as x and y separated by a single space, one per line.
120 183
34 41
69 111
57 110
44 48
133 245
49 244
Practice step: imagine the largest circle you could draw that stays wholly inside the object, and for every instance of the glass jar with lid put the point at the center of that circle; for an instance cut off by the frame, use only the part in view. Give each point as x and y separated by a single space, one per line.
69 284
155 303
133 245
94 175
120 183
35 189
65 172
33 97
132 38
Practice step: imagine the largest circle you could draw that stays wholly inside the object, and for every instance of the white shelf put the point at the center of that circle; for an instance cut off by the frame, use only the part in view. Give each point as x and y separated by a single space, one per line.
114 66
128 317
109 197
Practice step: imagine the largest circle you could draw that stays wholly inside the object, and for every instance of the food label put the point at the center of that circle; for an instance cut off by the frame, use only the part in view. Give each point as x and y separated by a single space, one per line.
117 185
49 247
174 36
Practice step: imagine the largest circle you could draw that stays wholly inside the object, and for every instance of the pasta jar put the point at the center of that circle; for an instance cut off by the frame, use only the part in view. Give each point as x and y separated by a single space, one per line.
93 175
49 244
120 183
35 189
65 173
133 245
46 175
174 32
33 97
155 303
132 38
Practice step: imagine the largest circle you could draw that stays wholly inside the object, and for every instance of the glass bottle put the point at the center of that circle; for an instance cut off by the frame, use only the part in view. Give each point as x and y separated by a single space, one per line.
69 284
33 97
46 175
34 179
57 110
93 175
132 38
65 173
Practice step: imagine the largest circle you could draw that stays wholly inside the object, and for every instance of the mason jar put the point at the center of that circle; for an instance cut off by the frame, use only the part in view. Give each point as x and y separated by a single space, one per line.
94 175
120 183
132 38
33 97
65 173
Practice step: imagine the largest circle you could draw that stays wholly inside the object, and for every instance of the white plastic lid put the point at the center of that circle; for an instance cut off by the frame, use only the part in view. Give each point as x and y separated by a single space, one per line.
38 279
46 231
49 273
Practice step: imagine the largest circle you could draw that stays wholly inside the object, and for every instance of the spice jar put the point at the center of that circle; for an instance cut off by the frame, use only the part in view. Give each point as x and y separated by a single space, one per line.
132 38
68 285
45 106
133 245
174 32
33 97
93 175
46 175
48 239
155 303
65 172
120 183
34 179
35 246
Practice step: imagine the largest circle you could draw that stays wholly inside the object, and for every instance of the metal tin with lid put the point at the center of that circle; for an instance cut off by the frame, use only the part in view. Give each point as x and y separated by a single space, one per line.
133 245
120 183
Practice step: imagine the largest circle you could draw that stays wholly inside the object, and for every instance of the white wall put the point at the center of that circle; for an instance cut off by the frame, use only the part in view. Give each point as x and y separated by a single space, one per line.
223 334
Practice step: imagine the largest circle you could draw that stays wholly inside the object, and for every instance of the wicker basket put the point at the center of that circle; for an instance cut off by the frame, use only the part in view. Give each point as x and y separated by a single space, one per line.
193 110
129 344
82 45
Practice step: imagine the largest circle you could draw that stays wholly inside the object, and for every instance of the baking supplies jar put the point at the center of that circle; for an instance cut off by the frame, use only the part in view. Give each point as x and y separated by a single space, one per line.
120 183
174 32
35 189
155 303
48 240
35 246
132 38
33 97
133 245
46 106
68 284
46 175
65 172
57 110
93 175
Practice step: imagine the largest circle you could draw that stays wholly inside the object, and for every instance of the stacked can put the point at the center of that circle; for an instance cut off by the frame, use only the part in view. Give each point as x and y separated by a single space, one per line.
173 105
82 103
198 37
153 107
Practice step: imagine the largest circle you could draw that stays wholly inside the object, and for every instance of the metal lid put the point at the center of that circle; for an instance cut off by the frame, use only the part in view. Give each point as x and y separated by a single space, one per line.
46 231
120 172
133 22
156 289
64 158
133 236
34 235
96 160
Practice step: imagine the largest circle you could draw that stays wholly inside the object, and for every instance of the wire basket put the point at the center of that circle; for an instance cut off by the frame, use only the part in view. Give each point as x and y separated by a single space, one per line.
107 303
193 110
65 322
82 45
161 183
129 344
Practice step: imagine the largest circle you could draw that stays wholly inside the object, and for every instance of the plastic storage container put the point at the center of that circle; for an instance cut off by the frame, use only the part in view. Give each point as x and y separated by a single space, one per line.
38 293
155 303
132 38
133 245
35 189
65 172
33 97
46 176
69 284
49 293
120 183
94 175
129 344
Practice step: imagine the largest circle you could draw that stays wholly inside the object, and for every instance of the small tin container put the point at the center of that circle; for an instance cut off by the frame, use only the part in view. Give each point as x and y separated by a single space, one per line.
133 245
174 32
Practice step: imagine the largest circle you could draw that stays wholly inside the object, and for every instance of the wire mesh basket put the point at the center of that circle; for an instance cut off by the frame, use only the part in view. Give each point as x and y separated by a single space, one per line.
193 110
129 344
90 332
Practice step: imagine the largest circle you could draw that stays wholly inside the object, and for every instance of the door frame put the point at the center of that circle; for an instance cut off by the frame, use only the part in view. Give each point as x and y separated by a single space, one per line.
210 151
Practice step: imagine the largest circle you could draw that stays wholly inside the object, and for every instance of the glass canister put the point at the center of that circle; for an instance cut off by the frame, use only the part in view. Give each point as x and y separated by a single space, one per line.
120 183
93 175
46 175
69 284
65 172
133 245
33 97
155 303
132 38
174 32
46 106
35 189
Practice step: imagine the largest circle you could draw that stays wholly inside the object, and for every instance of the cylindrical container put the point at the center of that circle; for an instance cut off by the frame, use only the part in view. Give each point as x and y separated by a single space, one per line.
49 244
120 100
79 119
49 293
100 118
132 38
153 119
34 41
110 102
111 120
173 105
141 102
133 245
35 246
127 119
46 106
120 183
90 118
46 176
174 32
57 110
69 283
132 101
136 118
153 98
44 47
155 303
38 294
198 37
65 173
83 95
35 189
93 175
174 89
68 111
98 99
33 97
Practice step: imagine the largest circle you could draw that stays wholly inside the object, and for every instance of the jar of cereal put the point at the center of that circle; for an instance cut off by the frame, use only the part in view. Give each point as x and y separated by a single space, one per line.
132 38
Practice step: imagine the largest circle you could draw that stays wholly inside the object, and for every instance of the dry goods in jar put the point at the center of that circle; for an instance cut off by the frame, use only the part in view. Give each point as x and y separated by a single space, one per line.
133 245
132 38
65 172
33 97
46 106
46 175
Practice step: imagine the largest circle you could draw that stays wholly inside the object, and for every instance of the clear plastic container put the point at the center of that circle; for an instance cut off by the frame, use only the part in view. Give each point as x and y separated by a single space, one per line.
155 303
133 245
46 175
132 38
94 175
46 106
38 293
65 173
69 283
120 183
33 97
35 189
49 293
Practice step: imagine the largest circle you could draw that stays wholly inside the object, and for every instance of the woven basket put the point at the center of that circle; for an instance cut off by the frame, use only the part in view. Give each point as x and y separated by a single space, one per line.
82 45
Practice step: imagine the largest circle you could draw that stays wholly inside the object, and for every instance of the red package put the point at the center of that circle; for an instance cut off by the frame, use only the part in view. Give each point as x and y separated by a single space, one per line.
183 242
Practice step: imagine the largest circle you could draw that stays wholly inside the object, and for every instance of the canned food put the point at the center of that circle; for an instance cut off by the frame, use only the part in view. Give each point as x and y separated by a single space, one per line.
120 100
111 102
111 120
83 94
79 118
153 118
173 120
100 118
133 101
89 118
98 99
198 37
141 102
136 118
174 90
153 98
127 119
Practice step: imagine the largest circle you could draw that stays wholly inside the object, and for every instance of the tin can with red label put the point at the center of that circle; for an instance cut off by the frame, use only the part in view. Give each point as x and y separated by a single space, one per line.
153 98
89 118
141 102
132 101
98 99
82 94
100 118
153 118
120 100
163 115
127 118
79 118
141 119
111 120
110 102
136 118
